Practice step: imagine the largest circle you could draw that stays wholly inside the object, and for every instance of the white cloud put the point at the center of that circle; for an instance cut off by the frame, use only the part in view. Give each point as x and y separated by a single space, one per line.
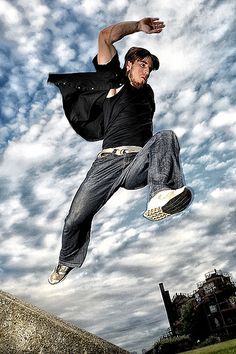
224 119
9 13
19 156
200 133
35 12
117 5
206 99
91 8
13 211
184 99
63 51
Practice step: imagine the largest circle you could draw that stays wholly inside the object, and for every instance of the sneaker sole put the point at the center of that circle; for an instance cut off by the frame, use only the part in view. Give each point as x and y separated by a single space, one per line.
155 214
174 206
59 281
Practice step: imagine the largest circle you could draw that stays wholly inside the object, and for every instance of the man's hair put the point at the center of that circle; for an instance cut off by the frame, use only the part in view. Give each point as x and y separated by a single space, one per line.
137 53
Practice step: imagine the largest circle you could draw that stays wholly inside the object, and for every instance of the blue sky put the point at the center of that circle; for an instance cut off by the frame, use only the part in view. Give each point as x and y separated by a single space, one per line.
115 295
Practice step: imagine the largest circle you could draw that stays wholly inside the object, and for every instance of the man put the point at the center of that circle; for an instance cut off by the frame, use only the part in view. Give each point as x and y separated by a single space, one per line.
117 105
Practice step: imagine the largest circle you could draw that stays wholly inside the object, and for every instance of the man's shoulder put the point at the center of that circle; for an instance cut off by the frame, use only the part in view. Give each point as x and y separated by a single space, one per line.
149 90
113 65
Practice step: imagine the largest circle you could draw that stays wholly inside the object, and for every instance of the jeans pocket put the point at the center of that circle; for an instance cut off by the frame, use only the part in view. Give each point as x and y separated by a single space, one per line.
129 158
103 158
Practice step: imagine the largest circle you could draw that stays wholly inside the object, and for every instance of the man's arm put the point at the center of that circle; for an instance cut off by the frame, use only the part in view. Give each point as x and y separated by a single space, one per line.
114 33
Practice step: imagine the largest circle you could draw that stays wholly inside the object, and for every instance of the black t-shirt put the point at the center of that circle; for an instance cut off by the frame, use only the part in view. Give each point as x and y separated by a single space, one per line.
127 115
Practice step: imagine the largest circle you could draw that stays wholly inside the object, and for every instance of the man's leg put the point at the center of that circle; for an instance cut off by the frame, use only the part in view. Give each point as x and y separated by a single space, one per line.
158 165
91 196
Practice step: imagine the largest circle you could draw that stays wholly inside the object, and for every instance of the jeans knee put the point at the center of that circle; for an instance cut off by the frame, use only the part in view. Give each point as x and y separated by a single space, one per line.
167 137
167 133
73 221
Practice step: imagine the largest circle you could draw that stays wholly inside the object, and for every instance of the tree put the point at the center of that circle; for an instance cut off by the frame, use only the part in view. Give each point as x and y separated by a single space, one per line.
187 318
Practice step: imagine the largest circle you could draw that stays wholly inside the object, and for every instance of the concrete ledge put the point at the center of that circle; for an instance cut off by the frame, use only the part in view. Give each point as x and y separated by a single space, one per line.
26 329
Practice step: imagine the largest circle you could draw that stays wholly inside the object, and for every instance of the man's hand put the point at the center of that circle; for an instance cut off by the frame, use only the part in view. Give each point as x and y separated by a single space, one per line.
151 25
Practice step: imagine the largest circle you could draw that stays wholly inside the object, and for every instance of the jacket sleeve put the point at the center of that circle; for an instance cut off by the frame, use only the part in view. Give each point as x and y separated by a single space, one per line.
83 110
83 95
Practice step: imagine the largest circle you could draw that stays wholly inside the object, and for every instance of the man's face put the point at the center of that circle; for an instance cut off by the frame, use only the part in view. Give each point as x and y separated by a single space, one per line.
139 71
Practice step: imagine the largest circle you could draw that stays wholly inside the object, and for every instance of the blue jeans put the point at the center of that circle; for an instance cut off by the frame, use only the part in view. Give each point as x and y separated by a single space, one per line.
156 165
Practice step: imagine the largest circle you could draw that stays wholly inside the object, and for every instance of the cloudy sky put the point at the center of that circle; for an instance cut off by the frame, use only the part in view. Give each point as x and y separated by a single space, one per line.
116 294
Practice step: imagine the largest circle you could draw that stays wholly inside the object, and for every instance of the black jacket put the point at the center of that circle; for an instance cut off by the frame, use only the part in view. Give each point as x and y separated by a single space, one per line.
83 95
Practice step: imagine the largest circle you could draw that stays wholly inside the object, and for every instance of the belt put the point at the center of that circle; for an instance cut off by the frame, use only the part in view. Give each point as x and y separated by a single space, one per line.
119 151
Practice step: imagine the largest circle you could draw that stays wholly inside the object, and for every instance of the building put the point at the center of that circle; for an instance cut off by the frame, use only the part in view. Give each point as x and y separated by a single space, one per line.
209 310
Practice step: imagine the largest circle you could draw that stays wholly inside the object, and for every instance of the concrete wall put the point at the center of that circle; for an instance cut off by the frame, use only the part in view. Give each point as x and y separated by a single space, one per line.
26 329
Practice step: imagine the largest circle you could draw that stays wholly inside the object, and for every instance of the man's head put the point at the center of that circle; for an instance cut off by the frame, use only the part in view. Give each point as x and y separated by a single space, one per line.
139 63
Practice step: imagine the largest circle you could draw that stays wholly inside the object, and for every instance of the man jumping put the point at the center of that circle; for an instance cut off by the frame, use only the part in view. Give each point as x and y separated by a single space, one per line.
117 105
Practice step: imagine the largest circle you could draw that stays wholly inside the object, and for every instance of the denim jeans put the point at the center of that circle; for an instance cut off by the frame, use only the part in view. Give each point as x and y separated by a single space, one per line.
157 165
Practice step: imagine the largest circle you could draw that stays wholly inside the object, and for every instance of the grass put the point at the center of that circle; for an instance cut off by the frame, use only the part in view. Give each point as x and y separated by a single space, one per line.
228 347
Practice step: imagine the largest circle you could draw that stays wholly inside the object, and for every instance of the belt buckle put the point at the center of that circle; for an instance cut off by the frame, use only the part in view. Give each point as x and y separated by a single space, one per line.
119 152
102 154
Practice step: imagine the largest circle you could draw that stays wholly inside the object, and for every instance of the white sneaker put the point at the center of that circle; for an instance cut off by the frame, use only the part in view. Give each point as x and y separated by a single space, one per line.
59 274
168 202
